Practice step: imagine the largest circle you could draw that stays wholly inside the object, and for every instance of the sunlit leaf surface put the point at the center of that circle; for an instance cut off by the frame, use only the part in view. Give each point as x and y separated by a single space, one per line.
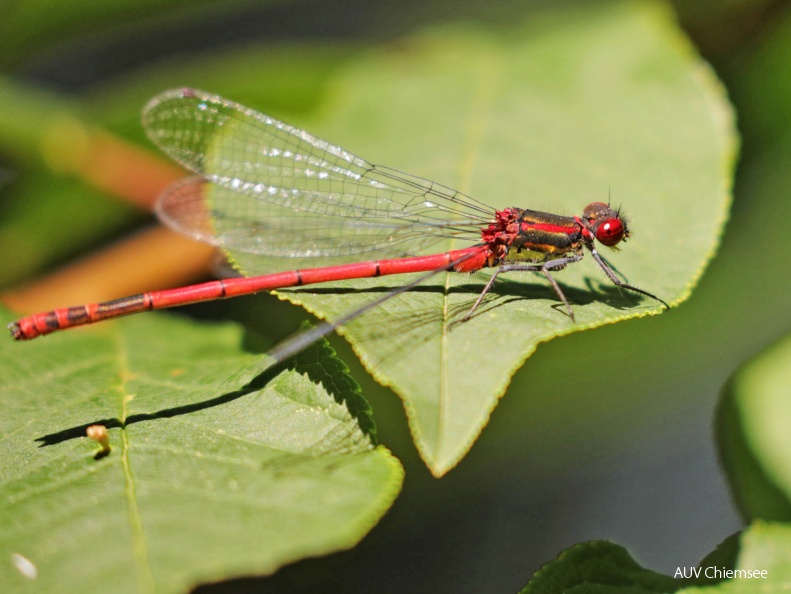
219 464
573 107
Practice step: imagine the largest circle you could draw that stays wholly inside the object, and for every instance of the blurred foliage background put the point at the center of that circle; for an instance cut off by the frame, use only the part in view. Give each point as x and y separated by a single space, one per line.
626 453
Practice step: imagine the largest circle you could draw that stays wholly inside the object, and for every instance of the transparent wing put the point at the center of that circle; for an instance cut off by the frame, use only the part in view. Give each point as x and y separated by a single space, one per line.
256 155
238 222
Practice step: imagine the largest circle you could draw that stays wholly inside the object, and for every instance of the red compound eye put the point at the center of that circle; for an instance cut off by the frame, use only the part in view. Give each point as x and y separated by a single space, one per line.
610 232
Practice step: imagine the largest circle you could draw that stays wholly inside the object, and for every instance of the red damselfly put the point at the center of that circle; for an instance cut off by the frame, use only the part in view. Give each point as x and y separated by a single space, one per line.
267 188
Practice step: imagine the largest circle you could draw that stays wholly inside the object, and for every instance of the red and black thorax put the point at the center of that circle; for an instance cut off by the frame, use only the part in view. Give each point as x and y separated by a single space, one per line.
521 235
542 236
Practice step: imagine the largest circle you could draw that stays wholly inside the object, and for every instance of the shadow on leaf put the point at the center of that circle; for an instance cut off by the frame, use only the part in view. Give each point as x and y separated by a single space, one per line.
318 363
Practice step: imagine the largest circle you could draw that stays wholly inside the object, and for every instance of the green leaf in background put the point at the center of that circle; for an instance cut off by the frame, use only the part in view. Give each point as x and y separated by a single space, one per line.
43 135
754 437
28 25
549 115
30 247
40 131
606 568
763 547
598 566
206 478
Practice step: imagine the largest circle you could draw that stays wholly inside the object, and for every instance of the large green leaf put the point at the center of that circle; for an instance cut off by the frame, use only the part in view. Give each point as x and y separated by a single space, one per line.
551 115
220 465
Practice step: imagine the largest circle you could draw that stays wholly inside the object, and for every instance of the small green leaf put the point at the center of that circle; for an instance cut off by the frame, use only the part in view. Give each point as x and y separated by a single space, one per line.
220 465
762 565
598 567
725 554
754 437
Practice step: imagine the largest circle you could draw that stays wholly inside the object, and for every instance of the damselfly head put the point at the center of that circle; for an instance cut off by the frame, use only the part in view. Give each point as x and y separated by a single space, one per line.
606 224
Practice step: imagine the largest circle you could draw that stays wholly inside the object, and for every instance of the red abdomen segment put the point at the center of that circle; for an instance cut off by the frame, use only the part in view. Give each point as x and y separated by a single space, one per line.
466 260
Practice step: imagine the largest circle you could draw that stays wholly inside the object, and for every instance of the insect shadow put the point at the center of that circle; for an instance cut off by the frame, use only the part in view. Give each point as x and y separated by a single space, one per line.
389 335
313 363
